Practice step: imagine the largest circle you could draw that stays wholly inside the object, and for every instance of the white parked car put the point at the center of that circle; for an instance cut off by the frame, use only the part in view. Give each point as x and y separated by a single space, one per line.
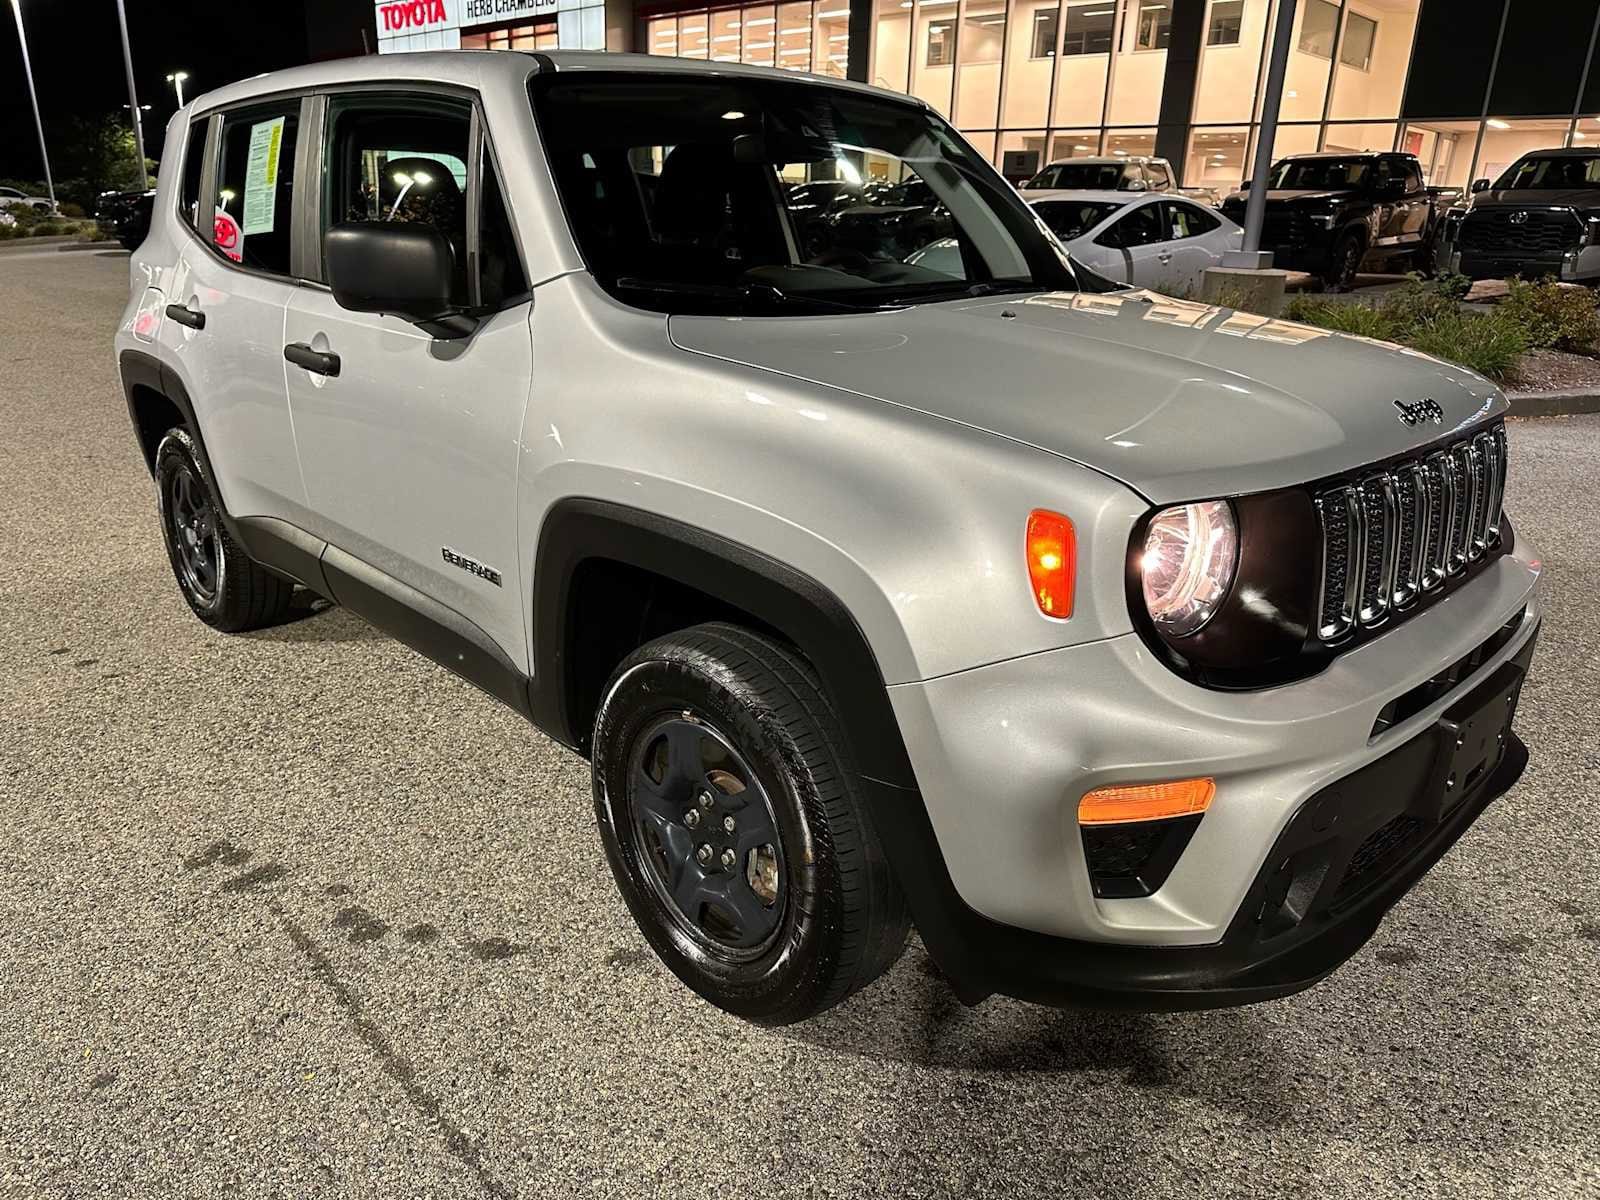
1143 239
10 197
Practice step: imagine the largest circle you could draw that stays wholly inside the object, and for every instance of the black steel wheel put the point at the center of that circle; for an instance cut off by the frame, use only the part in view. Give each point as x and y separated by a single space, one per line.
734 828
223 586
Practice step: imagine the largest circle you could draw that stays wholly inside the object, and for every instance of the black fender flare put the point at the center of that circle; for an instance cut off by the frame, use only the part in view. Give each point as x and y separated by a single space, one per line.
959 939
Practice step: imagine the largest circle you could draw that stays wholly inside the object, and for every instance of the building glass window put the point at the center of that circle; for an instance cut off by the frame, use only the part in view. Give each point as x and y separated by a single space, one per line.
1360 35
891 45
983 38
941 43
934 53
1226 23
830 38
1216 159
1089 28
1046 22
1155 26
1319 27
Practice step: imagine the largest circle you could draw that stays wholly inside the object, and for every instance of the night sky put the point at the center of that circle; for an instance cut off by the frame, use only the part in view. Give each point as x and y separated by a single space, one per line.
77 57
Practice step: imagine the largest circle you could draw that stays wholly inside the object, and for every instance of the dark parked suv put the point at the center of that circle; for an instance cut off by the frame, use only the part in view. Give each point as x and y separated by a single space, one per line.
1541 217
1335 215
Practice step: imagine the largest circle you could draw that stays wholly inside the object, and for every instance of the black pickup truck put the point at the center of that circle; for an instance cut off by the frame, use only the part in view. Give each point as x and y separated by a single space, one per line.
1335 215
125 215
1541 217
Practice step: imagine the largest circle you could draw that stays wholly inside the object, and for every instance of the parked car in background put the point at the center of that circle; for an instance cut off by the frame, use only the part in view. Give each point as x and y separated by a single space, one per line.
1118 173
1541 217
11 197
1336 215
1150 240
125 215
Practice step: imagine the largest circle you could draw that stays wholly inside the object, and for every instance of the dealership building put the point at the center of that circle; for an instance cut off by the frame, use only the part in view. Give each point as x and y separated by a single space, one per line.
1466 85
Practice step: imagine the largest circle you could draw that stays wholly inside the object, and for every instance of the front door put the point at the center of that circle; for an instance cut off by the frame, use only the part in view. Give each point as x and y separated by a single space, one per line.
1139 239
410 450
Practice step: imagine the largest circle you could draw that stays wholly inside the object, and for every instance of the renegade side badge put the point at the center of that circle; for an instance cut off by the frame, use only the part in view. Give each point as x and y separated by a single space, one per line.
471 565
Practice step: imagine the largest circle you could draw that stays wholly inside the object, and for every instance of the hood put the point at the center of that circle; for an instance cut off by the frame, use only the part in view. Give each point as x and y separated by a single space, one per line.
1582 198
1181 401
1296 195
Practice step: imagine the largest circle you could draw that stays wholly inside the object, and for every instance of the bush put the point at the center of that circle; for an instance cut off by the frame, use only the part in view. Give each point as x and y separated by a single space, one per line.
1352 317
1488 344
1554 316
1416 303
69 209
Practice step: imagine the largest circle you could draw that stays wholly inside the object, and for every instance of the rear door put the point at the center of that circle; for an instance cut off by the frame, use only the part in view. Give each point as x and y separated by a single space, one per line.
1139 238
410 451
224 331
1194 243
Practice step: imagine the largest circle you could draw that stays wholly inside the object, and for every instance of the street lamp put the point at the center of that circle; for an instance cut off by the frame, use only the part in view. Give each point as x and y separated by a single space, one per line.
176 80
27 67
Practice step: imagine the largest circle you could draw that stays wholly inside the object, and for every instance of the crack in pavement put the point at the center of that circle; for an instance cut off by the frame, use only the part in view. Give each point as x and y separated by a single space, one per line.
392 1062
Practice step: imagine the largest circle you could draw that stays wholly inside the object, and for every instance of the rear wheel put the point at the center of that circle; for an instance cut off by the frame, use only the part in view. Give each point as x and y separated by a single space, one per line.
735 829
223 585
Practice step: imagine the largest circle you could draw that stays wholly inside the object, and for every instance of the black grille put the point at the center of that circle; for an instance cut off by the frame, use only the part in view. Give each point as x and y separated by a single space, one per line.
1381 850
1406 530
1509 231
1289 229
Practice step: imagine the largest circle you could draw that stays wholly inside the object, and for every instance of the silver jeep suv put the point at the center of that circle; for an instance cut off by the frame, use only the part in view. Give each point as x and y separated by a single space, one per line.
1137 652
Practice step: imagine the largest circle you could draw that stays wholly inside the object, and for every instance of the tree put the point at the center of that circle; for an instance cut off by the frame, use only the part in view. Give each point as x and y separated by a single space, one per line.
96 154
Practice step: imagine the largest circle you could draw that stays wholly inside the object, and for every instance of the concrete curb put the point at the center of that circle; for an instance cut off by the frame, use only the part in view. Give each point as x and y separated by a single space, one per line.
1553 404
13 245
75 246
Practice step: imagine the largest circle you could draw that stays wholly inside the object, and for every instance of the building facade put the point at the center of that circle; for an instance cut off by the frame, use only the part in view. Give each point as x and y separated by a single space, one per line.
1466 85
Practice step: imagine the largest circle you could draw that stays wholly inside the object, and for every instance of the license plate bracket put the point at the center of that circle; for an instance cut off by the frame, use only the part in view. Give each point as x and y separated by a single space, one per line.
1471 740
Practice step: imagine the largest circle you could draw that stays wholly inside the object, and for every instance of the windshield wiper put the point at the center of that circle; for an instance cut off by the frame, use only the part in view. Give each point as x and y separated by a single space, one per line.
759 294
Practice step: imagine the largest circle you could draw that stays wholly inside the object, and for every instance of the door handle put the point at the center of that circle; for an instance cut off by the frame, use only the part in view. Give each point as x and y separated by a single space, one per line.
184 315
318 362
1165 257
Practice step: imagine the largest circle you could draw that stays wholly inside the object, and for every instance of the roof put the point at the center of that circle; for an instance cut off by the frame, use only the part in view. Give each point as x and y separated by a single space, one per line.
1100 159
474 68
1035 195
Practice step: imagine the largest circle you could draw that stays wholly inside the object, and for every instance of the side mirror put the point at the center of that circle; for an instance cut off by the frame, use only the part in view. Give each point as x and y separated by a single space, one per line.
1247 185
1592 232
1135 185
404 270
1479 185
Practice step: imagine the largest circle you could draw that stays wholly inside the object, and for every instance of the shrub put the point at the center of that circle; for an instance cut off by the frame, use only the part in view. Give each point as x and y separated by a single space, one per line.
69 209
1416 303
1488 344
1554 316
1344 317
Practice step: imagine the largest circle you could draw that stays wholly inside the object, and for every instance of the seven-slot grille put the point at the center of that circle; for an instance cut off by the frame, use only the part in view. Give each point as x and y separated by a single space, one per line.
1410 529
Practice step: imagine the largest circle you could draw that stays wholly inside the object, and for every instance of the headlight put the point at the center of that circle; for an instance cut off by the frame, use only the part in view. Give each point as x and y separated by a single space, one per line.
1326 220
1190 552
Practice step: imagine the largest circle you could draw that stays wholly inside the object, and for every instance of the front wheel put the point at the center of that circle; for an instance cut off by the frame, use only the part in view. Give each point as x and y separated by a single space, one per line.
1344 263
735 828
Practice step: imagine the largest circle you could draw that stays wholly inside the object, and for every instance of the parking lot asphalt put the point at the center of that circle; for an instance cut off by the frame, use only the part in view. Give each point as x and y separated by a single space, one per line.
301 914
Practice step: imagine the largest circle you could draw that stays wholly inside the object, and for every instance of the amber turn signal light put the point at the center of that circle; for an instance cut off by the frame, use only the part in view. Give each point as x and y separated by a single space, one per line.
1052 549
1146 802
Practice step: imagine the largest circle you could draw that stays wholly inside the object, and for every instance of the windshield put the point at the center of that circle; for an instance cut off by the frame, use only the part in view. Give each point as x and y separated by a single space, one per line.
721 193
1320 174
1073 218
1563 173
1079 177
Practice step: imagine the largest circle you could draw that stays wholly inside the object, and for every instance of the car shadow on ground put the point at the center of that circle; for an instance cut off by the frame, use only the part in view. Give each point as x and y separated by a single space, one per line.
313 619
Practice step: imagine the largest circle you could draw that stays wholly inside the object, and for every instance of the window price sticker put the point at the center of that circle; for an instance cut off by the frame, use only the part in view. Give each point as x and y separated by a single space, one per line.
261 176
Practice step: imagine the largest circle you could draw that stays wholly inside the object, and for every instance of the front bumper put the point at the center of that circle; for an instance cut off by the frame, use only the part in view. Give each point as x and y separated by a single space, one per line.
1568 267
1002 755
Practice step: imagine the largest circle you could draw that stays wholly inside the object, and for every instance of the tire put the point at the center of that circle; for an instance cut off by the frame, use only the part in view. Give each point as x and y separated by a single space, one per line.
719 738
223 585
1426 256
1344 263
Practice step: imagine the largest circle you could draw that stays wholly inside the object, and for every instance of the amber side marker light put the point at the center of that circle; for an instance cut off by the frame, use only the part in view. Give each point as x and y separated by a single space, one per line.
1052 549
1146 802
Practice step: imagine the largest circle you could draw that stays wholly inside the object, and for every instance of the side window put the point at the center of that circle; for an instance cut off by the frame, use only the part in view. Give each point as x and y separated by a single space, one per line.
404 160
1159 178
194 153
1187 220
1140 227
255 186
1413 177
401 160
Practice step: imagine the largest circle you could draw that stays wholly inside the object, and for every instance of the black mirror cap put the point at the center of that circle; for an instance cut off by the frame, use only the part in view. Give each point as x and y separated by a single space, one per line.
1479 185
403 270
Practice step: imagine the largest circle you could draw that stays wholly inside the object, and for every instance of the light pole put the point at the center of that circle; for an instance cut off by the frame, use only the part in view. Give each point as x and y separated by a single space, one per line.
176 80
133 97
27 67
